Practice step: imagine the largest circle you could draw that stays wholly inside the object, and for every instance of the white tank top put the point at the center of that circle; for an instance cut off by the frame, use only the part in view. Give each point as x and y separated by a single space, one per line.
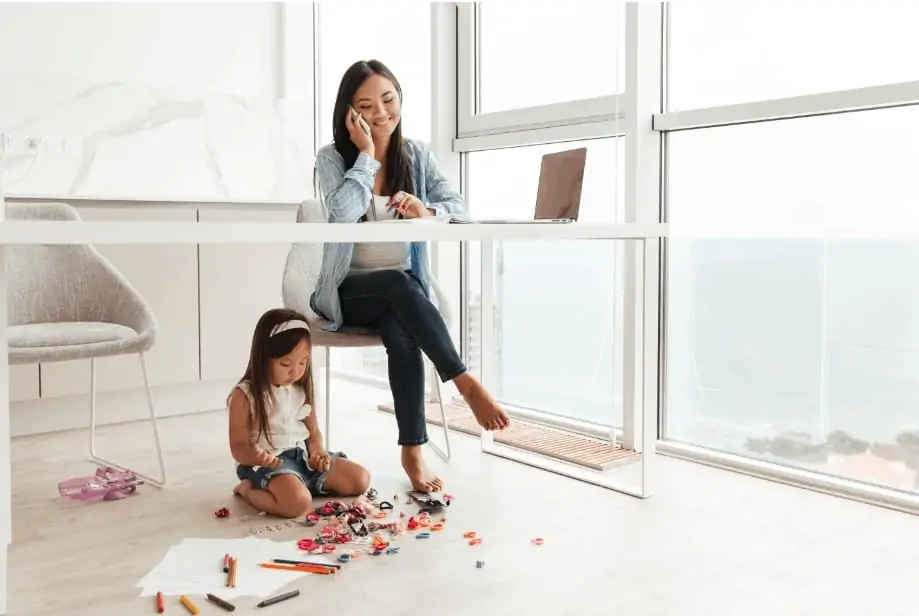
285 419
372 256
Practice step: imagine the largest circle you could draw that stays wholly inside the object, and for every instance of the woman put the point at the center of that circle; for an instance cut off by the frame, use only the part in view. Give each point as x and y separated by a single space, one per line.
370 172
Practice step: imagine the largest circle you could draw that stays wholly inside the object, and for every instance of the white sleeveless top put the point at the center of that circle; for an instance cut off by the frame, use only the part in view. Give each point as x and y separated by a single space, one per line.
285 419
373 256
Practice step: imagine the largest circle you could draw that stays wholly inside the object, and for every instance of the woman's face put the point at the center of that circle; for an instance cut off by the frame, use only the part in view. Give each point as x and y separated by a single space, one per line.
378 101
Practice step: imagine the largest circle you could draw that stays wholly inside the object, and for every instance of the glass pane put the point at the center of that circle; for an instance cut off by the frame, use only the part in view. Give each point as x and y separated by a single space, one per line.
802 352
555 354
549 53
735 52
347 36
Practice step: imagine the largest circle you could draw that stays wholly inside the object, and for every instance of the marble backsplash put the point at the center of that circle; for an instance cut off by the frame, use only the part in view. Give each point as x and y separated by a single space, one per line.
129 141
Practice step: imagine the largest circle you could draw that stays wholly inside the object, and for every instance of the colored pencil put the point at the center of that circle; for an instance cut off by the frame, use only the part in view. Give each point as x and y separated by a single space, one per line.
226 563
303 568
220 602
191 607
279 598
231 576
160 604
284 561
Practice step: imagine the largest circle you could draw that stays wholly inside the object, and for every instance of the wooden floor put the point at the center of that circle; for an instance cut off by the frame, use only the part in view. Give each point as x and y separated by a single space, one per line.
710 543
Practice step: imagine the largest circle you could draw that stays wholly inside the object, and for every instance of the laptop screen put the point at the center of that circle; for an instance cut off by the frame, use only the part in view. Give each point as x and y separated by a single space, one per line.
560 179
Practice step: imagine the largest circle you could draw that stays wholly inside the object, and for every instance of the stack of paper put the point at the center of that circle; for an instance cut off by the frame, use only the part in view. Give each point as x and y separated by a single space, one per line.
195 567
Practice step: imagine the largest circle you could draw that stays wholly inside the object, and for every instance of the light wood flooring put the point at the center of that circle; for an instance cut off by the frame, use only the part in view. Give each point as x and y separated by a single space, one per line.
709 543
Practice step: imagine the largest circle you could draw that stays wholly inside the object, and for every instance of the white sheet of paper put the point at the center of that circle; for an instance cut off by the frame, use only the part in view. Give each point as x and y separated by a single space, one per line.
195 567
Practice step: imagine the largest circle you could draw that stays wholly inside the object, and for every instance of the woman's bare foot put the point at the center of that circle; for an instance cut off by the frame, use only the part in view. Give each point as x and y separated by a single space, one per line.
486 410
418 472
243 488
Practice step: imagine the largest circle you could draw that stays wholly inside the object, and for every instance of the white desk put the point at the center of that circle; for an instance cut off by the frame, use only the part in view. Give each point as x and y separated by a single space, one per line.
21 232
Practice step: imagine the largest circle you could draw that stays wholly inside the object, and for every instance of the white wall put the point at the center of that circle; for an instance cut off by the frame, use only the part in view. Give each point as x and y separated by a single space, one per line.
173 101
134 109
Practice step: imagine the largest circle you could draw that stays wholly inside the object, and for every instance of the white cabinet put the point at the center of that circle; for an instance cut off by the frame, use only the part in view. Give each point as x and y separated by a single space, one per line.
24 383
238 282
167 278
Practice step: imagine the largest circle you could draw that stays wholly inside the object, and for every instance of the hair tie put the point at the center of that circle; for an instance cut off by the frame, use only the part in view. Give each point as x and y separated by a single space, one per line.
288 325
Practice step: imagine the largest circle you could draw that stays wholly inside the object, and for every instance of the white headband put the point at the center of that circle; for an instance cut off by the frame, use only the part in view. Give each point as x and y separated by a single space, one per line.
287 325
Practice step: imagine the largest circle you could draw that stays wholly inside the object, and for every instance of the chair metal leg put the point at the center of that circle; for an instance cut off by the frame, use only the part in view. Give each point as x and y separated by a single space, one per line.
158 482
438 398
328 397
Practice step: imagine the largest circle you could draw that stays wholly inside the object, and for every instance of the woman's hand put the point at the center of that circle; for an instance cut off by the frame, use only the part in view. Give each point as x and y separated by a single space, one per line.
359 136
408 205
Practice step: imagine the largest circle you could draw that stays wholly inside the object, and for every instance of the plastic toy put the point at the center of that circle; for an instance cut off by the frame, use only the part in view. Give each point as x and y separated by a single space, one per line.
107 484
428 503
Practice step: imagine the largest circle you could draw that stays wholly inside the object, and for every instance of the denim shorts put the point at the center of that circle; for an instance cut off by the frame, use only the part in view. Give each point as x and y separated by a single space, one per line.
293 462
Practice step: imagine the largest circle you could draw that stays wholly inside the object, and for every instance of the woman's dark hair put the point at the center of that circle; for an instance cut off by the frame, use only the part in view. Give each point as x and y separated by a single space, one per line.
398 166
266 347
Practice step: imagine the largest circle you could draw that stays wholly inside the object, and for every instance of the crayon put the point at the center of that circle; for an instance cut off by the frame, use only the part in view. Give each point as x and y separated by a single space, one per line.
226 563
160 604
279 598
220 602
191 607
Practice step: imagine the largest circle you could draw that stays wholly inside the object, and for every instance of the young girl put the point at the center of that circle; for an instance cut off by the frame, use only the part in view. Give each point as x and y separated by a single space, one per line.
274 433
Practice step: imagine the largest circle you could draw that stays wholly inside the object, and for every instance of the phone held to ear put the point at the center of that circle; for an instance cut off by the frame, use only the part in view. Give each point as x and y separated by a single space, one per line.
360 121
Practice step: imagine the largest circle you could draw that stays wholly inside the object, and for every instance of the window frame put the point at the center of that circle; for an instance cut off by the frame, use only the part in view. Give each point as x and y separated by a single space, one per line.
576 121
779 109
552 123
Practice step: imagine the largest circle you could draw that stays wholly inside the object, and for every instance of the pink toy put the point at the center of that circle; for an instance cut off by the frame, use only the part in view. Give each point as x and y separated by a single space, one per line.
107 484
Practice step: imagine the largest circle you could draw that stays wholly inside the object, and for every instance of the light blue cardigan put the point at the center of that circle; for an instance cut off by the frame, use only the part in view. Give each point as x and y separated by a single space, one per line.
346 194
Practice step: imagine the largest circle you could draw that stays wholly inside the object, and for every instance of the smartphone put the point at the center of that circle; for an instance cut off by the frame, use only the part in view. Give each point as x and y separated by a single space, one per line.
364 125
360 121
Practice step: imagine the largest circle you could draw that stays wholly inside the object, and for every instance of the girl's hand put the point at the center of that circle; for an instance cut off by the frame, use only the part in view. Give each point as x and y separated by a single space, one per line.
270 461
358 135
320 460
408 205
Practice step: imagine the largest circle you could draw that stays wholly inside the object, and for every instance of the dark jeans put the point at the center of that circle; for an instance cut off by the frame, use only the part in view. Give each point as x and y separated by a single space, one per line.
409 324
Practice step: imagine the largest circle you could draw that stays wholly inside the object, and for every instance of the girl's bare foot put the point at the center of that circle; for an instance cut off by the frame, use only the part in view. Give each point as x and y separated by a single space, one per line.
486 410
418 472
243 488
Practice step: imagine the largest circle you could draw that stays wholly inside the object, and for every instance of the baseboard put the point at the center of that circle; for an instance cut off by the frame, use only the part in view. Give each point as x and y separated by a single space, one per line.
46 415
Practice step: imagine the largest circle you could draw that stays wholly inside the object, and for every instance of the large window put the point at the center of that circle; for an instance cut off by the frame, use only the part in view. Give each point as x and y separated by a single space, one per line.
733 52
553 354
348 34
548 53
803 352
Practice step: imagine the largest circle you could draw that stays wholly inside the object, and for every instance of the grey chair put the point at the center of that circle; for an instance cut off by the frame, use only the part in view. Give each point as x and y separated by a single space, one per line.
301 273
68 302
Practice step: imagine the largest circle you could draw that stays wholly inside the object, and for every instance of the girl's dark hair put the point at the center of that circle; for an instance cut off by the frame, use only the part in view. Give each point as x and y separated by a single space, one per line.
398 166
266 347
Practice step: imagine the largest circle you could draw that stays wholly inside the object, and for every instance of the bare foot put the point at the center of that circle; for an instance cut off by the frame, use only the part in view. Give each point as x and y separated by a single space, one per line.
243 488
418 472
486 410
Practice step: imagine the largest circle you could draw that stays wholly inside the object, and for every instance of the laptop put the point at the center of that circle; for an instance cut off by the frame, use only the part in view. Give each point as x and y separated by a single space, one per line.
558 197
